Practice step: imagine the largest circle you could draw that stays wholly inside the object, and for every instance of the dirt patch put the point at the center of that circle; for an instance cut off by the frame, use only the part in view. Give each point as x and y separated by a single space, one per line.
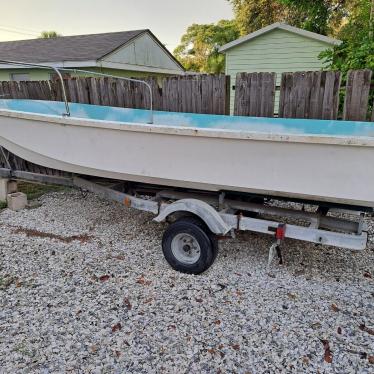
30 233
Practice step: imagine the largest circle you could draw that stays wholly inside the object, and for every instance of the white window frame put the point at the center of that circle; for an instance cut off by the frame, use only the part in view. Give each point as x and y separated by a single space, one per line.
21 77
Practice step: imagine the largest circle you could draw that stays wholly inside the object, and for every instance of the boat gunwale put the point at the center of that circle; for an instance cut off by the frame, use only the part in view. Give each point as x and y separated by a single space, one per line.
361 141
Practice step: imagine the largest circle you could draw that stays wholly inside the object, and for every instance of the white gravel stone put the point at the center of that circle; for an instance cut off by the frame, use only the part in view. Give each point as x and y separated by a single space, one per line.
84 288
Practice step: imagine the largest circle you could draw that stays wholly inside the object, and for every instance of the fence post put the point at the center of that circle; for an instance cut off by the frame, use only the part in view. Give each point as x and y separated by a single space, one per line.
357 95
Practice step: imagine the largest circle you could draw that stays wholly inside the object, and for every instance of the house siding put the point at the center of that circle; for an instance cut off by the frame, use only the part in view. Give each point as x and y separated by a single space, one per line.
39 75
276 51
144 51
119 73
34 74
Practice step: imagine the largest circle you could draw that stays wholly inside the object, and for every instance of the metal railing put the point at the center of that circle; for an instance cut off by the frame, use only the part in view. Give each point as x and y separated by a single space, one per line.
88 72
41 66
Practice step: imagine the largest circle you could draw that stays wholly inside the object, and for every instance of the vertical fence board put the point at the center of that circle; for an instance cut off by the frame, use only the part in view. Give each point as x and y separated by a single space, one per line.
71 88
82 91
330 103
205 93
357 95
196 94
218 95
94 91
157 94
313 94
241 94
254 94
267 99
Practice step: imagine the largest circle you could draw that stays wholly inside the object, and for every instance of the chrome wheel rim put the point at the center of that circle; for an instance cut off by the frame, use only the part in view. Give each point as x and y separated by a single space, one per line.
185 248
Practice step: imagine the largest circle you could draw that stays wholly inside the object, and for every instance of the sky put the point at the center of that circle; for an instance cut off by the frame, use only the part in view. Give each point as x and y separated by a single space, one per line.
167 19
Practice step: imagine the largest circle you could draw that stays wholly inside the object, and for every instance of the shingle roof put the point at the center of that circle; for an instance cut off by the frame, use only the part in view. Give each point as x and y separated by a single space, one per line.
66 48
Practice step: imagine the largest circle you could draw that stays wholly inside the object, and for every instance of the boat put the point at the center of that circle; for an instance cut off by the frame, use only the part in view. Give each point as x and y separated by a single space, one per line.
321 161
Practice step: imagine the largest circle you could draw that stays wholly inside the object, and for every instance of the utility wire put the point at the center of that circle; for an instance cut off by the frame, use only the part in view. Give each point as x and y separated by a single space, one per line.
17 28
18 32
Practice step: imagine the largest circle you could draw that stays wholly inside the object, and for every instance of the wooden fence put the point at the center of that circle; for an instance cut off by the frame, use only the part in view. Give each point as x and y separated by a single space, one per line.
193 93
314 95
254 94
317 95
310 95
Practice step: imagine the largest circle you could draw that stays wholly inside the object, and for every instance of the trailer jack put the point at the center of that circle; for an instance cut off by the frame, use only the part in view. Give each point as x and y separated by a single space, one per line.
275 247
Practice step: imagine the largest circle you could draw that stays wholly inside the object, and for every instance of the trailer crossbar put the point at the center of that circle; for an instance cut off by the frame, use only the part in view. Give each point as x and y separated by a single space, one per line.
317 236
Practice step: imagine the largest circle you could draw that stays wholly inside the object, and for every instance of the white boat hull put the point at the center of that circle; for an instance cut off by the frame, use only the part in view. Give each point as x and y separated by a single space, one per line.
329 169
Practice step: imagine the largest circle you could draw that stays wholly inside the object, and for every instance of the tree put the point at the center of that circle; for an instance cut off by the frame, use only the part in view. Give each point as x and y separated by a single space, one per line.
198 50
252 15
357 49
320 16
49 34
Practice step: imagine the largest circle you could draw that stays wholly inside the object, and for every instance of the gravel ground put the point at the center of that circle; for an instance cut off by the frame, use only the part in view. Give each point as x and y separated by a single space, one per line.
84 288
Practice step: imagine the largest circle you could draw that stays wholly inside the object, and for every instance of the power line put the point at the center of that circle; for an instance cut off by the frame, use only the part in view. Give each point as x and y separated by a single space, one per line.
17 32
17 28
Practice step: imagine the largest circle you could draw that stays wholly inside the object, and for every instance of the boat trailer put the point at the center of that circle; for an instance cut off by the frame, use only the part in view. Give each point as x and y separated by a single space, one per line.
198 219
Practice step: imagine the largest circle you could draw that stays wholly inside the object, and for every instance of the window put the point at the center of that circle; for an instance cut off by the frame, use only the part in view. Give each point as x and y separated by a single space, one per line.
18 77
55 77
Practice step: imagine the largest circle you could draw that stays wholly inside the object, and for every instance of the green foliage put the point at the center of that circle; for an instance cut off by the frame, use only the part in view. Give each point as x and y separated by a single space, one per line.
252 15
357 49
350 56
320 16
198 50
36 190
49 34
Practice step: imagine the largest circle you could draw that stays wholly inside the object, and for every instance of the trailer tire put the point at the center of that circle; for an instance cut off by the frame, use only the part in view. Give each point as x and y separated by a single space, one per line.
188 247
199 222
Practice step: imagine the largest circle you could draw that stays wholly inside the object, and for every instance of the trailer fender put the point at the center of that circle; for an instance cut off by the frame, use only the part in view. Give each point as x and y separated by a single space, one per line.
199 208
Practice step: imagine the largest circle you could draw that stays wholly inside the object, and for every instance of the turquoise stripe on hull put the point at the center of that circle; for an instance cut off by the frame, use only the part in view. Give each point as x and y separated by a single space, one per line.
204 121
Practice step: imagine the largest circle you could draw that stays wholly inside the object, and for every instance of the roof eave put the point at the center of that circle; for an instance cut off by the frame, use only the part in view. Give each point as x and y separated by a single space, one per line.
54 64
281 26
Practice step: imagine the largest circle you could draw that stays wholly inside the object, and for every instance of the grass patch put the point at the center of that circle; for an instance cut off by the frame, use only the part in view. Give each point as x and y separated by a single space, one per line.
36 190
3 205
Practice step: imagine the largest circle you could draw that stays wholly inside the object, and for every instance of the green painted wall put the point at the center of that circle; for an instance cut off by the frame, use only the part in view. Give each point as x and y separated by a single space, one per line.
35 74
39 74
120 73
276 51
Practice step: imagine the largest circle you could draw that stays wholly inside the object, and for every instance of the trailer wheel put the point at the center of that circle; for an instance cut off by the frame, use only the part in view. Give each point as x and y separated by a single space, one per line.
188 247
198 222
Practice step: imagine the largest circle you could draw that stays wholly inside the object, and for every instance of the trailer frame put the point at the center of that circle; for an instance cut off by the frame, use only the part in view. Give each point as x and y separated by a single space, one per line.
223 215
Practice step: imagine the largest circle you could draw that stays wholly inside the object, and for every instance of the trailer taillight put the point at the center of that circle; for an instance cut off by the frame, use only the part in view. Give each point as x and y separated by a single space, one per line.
280 232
